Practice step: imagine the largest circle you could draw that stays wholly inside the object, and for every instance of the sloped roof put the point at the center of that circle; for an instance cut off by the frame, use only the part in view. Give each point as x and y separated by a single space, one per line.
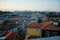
9 25
43 26
47 26
50 27
11 34
8 34
3 26
34 25
15 19
4 33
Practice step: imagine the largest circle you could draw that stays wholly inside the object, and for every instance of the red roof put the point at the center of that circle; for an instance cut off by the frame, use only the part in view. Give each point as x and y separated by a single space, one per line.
10 34
50 27
4 26
15 19
49 19
4 33
34 25
44 25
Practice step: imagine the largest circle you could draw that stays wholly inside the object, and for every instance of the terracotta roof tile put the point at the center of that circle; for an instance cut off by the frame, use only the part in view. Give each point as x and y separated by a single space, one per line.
48 26
44 25
4 33
10 34
33 24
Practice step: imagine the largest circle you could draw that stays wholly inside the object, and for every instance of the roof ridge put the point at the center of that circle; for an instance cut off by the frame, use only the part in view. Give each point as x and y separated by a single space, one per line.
46 23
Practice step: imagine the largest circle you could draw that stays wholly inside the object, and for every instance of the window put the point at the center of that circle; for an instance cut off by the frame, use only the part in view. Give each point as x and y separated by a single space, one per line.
18 28
14 30
54 33
38 29
47 33
30 29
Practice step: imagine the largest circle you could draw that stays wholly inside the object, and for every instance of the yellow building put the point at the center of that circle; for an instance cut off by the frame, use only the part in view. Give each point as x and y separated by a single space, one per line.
33 30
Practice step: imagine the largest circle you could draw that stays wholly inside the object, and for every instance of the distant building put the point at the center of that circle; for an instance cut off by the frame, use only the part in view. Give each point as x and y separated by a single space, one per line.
8 36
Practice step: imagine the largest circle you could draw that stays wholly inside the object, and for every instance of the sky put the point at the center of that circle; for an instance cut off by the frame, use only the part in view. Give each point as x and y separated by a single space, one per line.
39 5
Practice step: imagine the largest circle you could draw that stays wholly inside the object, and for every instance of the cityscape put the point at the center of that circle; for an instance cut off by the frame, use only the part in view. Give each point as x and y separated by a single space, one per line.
29 19
27 25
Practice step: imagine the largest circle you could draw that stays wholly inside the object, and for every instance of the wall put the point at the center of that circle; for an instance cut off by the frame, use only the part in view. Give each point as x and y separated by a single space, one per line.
33 32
